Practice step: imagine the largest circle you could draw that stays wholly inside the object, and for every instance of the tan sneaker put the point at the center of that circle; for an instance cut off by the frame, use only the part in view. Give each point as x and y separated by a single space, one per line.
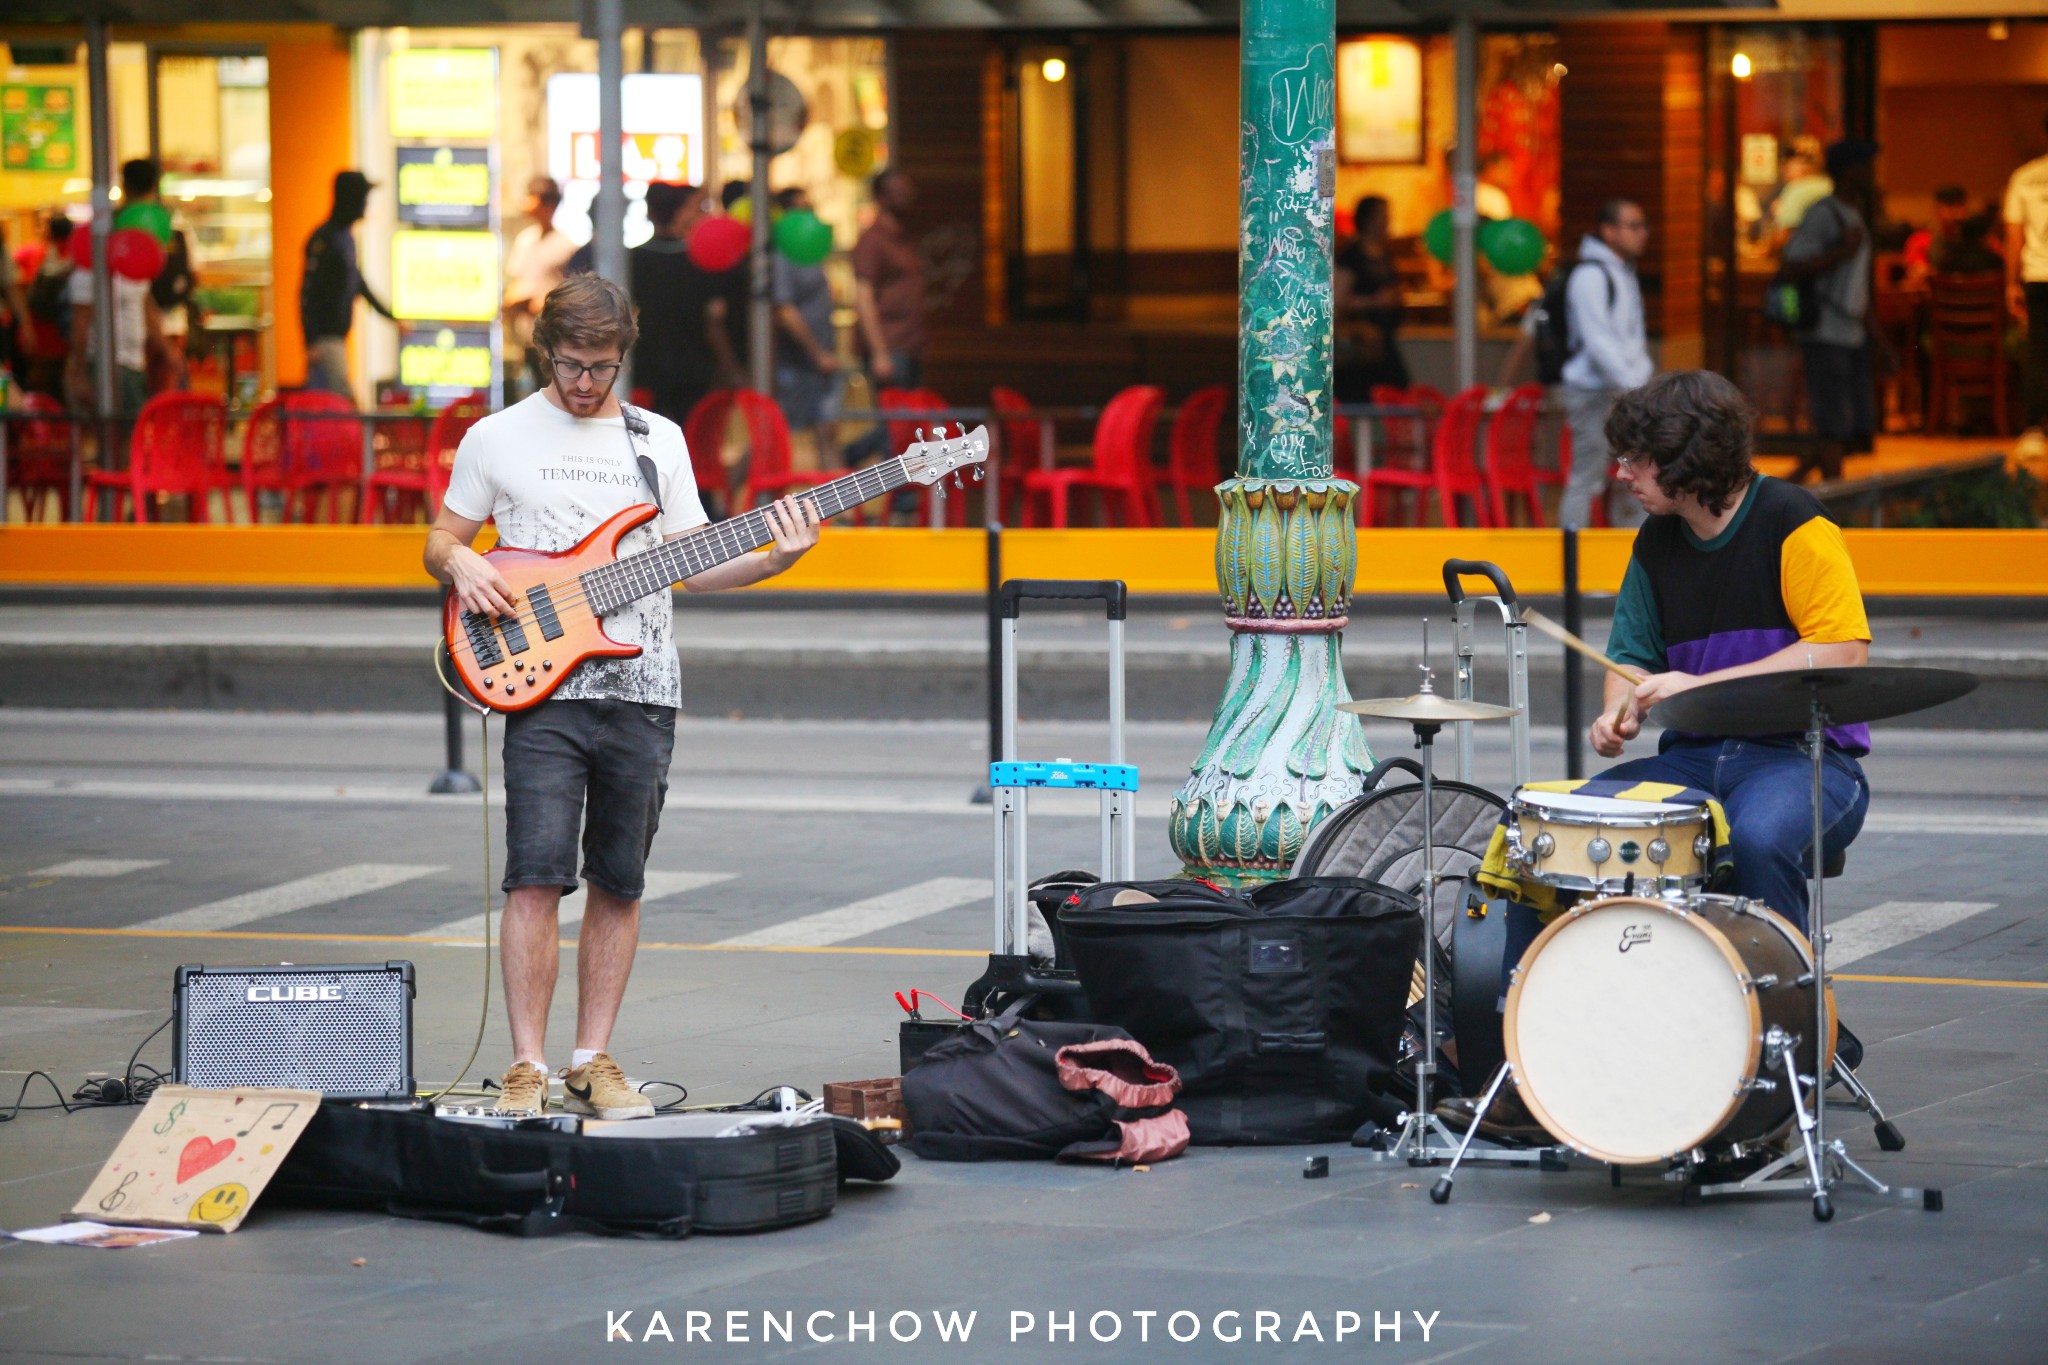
524 1090
599 1088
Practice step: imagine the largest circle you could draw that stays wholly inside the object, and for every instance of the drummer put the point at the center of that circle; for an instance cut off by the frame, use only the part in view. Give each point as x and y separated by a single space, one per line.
1733 574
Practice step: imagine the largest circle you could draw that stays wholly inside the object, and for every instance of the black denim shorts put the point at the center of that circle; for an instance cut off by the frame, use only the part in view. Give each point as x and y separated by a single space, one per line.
600 765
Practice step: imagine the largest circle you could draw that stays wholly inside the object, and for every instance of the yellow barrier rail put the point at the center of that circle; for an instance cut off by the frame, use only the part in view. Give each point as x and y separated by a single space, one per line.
1903 563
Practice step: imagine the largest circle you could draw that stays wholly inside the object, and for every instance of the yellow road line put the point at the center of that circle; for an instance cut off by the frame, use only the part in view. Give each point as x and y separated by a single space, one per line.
1944 981
468 942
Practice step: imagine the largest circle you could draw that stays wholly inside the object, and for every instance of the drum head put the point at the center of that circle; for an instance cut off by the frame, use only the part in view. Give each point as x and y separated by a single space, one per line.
1630 1030
1578 808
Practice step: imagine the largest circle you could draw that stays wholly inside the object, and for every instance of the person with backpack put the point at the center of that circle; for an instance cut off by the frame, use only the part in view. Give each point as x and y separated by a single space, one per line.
1828 260
1604 353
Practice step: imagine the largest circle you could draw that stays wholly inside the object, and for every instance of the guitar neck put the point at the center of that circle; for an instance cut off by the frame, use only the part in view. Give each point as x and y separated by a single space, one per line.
672 561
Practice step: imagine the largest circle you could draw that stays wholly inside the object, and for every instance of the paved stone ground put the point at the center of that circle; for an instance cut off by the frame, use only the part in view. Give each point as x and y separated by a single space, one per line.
802 818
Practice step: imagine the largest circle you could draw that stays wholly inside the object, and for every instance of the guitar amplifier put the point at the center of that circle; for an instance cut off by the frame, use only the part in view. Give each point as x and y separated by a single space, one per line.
345 1031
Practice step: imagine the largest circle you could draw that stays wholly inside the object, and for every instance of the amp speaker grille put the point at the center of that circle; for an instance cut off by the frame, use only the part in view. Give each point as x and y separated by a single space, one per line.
356 1047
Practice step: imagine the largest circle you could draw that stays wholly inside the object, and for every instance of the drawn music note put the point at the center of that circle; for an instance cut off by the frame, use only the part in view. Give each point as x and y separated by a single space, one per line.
289 1106
116 1197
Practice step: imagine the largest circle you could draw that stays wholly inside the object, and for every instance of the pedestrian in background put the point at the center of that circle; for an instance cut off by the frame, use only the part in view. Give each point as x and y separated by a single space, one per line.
1831 247
138 326
1610 356
331 284
536 262
889 308
682 354
806 343
47 268
1368 308
2026 287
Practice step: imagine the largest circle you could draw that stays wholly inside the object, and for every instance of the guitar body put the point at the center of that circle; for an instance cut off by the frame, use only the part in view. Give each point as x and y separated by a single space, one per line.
530 662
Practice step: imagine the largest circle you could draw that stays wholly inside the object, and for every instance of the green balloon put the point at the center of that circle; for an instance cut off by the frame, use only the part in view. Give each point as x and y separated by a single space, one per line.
1513 246
804 237
1437 237
151 217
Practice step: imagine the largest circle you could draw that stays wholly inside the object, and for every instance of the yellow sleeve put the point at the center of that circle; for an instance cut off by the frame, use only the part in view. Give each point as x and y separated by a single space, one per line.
1819 585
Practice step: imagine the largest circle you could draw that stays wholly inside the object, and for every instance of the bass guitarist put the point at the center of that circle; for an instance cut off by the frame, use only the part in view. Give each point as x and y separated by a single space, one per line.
596 753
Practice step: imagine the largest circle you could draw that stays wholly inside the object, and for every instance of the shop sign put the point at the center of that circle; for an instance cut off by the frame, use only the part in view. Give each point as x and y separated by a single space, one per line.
445 276
446 358
1379 101
444 92
37 130
663 122
444 186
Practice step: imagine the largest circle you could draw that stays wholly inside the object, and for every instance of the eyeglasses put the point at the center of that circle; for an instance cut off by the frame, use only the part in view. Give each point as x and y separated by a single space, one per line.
1628 464
604 372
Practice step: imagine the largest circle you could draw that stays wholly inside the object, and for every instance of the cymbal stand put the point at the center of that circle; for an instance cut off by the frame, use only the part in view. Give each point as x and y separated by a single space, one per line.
1820 1163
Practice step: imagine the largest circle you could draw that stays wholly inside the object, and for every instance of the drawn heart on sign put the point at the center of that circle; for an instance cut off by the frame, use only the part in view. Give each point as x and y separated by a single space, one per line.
200 1153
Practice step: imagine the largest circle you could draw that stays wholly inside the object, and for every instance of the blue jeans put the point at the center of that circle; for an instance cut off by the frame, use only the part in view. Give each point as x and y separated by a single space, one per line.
1766 788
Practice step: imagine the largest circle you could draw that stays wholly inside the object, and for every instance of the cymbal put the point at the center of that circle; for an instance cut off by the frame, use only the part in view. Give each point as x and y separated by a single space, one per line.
1780 703
1427 707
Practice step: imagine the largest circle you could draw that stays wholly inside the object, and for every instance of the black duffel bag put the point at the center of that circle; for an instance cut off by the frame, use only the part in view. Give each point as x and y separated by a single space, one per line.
1281 1007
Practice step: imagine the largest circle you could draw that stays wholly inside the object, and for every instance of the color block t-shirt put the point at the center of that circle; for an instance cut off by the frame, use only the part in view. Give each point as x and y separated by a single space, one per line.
1779 573
549 480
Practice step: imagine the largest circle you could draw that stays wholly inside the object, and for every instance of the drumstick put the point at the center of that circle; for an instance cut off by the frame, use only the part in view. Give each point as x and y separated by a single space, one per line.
1573 642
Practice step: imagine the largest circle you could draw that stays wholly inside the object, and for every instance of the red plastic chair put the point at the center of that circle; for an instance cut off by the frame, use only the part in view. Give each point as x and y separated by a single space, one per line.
39 458
1511 456
1122 467
1191 460
416 478
1023 437
903 433
179 448
769 475
303 461
1398 463
704 431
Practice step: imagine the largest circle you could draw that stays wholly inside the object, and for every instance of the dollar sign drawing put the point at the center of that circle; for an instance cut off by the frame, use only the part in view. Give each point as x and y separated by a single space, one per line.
169 1120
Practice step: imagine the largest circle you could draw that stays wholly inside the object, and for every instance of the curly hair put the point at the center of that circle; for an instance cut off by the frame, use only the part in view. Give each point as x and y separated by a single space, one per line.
1695 426
586 311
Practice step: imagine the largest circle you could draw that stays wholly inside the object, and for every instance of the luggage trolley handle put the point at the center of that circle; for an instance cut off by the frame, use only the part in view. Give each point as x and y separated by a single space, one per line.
1463 610
1119 836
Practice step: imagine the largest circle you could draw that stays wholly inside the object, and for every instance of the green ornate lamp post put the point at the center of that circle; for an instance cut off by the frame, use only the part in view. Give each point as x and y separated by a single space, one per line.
1279 756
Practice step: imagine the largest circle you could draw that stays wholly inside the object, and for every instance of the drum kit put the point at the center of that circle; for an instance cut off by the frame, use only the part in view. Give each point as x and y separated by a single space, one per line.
1652 1022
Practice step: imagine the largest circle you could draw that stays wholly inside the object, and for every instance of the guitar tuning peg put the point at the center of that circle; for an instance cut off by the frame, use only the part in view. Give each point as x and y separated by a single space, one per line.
920 435
957 483
978 474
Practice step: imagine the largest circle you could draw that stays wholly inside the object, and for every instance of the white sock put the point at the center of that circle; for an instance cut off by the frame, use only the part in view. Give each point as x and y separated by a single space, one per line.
535 1062
581 1057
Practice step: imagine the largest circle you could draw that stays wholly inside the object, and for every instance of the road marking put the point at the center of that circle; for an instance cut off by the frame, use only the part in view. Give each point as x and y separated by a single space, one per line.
1897 822
1056 805
340 884
868 916
1871 931
97 867
259 936
659 885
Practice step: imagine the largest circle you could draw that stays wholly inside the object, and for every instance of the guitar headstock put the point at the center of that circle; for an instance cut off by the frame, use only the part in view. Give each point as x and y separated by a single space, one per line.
932 458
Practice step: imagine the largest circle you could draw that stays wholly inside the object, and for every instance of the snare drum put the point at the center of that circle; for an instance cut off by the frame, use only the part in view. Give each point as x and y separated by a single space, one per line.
1596 844
1636 1026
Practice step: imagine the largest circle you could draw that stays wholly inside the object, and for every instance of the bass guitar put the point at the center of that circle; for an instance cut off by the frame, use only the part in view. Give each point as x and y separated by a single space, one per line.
509 663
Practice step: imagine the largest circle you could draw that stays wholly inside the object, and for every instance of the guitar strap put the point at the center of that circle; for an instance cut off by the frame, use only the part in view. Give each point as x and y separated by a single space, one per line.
636 425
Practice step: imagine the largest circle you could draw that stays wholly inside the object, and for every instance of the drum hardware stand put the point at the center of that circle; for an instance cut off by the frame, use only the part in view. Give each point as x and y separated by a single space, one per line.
1821 1163
1463 610
1543 1158
1889 1138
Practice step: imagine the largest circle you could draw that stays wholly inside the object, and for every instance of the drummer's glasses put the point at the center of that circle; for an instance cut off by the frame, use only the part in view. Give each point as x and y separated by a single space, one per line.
1627 464
604 372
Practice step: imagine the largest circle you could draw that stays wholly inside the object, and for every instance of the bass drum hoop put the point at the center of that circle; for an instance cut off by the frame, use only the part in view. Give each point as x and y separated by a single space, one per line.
1679 911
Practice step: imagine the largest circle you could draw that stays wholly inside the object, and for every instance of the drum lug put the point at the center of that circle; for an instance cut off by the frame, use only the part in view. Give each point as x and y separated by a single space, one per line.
1766 981
1804 980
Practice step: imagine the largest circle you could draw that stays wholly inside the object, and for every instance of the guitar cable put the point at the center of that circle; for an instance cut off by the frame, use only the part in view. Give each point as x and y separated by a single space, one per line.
483 725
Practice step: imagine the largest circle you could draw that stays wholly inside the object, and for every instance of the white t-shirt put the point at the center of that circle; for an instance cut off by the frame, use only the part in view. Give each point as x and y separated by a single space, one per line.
2026 205
131 325
537 262
549 480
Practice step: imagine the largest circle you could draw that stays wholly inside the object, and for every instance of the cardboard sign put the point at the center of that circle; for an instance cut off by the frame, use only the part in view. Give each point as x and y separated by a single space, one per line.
197 1158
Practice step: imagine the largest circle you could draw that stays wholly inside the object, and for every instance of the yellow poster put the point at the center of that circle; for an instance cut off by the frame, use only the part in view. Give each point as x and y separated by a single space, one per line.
445 276
447 359
443 92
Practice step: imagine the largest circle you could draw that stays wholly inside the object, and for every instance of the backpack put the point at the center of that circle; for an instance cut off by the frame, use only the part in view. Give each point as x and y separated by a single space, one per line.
1553 335
48 297
1796 305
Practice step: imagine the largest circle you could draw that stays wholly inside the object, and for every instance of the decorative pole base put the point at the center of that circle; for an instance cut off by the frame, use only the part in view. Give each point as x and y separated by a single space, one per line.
1280 756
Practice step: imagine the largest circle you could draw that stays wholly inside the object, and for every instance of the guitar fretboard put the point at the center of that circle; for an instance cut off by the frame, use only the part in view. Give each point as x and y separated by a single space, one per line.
656 570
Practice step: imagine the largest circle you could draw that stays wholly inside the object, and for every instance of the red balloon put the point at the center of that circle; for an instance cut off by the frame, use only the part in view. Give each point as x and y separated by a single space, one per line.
134 254
719 244
78 246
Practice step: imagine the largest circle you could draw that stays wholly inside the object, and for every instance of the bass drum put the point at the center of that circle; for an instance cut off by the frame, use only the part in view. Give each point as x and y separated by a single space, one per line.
1636 1026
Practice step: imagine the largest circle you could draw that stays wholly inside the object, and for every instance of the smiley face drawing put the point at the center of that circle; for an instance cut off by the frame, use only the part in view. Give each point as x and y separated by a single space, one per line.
220 1204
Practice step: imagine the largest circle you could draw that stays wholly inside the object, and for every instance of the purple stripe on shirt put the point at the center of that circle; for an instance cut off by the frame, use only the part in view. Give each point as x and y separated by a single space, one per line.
1727 649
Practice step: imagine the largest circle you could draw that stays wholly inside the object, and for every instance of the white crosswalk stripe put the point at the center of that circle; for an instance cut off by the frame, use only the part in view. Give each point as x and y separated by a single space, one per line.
867 916
97 867
320 889
659 885
1869 932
